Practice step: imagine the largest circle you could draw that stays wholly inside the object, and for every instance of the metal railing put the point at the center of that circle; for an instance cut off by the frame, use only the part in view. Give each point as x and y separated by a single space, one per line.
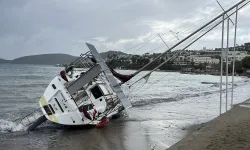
84 61
30 118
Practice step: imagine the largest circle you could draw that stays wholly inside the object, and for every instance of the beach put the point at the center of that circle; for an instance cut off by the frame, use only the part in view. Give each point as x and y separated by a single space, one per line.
163 110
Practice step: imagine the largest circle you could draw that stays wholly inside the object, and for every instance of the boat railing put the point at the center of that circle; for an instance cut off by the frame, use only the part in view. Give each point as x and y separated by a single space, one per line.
30 118
84 61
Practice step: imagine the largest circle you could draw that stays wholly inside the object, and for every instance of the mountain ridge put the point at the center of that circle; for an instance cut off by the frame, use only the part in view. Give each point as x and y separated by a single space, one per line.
4 60
53 59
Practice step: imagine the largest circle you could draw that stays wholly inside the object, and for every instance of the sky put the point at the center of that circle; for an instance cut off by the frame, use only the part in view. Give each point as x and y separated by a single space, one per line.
30 27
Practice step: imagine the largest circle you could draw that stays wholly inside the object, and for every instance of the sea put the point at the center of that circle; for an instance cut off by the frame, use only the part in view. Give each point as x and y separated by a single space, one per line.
163 108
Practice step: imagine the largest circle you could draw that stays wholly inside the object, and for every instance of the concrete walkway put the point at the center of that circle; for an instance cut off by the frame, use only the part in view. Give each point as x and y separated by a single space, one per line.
230 131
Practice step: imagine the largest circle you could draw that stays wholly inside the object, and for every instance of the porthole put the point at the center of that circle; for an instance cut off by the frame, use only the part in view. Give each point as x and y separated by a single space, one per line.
53 85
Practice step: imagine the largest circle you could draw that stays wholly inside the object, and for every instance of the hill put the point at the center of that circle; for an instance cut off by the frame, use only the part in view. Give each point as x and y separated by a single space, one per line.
4 61
45 59
53 59
118 53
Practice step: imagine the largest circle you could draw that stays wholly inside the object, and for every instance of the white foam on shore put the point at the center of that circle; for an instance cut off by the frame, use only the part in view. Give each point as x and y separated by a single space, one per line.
9 126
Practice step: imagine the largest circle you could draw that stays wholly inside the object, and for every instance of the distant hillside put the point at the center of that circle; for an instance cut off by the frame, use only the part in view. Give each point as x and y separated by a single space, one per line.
45 59
53 59
4 61
118 53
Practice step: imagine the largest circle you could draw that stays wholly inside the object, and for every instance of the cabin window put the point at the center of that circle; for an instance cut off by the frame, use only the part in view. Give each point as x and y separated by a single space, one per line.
53 85
96 91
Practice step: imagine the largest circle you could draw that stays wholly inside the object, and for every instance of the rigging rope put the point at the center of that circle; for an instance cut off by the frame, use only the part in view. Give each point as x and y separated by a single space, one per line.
193 38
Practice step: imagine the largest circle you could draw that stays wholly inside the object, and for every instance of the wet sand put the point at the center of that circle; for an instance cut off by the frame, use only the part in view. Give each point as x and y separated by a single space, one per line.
117 135
230 131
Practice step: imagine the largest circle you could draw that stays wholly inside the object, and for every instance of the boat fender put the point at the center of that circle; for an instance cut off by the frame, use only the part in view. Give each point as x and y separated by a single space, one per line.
94 114
102 124
63 75
86 114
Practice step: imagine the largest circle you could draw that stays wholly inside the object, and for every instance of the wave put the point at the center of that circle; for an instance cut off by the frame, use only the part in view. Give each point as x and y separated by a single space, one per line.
20 124
209 83
145 102
10 126
224 83
152 101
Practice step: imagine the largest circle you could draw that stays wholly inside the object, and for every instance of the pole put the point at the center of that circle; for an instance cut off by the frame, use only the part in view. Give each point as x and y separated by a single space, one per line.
221 62
235 34
227 63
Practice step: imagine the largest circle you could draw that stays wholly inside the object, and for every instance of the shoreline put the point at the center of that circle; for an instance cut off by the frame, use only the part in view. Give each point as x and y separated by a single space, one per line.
228 131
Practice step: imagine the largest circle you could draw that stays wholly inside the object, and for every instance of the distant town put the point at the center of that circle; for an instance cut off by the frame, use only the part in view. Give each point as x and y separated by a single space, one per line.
190 61
204 61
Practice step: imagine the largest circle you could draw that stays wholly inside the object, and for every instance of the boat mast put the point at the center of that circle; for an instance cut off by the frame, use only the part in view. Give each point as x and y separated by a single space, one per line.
190 35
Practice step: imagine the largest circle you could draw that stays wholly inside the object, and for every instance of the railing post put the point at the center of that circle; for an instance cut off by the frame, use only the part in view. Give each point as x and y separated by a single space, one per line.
235 34
221 62
227 62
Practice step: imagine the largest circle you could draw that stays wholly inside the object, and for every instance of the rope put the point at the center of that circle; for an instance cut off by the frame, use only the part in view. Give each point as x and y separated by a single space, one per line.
200 33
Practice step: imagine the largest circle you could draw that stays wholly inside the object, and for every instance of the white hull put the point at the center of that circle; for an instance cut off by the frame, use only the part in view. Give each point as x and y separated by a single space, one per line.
84 96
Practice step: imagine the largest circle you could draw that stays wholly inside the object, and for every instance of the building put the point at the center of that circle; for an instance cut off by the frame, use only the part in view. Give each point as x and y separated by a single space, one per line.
200 60
181 60
239 56
196 59
247 47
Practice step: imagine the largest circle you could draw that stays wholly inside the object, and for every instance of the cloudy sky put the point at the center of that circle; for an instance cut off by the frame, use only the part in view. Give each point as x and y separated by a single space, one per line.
63 26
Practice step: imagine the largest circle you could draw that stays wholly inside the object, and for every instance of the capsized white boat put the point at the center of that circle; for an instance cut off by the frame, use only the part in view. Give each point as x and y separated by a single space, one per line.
85 93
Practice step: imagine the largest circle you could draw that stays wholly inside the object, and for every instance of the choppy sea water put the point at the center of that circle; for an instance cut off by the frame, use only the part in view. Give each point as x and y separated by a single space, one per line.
163 108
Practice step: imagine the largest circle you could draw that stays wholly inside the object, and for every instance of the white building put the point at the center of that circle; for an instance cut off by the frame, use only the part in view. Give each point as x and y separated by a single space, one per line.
239 55
181 60
208 57
197 59
200 60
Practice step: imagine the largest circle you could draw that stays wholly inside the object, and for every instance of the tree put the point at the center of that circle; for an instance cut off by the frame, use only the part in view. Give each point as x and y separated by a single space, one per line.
217 57
238 66
246 62
200 66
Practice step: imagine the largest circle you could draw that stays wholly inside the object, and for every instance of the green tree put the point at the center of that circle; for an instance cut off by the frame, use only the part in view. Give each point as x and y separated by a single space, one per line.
246 62
238 66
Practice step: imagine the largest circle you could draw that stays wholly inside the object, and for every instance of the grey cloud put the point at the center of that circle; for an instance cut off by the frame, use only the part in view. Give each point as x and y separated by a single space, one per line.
62 26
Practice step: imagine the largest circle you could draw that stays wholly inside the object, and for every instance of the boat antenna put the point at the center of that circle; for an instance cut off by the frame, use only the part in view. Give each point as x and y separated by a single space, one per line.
175 34
224 11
